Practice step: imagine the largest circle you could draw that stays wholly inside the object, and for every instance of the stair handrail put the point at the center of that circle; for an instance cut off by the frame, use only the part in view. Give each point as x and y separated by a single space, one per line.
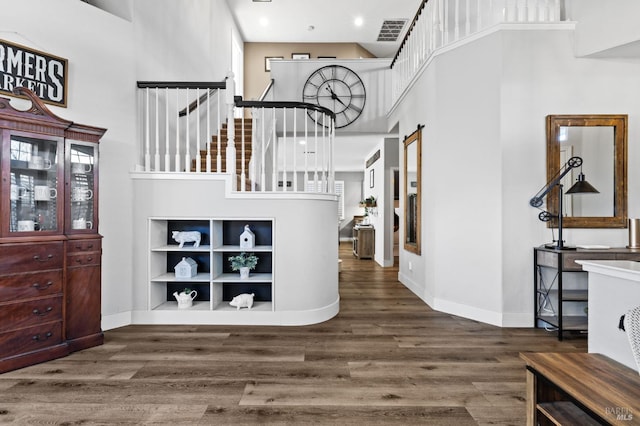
240 103
266 90
211 86
408 33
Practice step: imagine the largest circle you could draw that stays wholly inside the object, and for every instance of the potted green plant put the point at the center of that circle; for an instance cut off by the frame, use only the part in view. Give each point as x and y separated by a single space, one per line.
243 262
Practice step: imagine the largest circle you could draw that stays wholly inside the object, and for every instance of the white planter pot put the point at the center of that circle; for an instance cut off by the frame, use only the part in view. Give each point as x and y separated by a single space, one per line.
244 273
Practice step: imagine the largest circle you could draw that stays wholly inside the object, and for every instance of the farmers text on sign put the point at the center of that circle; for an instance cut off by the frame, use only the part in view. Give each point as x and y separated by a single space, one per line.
44 74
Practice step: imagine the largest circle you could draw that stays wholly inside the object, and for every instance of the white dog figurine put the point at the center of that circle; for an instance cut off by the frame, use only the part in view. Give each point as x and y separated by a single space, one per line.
186 237
243 300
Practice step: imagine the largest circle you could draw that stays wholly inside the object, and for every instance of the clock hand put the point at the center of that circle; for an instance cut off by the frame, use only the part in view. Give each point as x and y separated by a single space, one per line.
335 97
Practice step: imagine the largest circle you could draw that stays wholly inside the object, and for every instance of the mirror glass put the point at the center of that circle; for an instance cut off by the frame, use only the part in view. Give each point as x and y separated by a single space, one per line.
600 141
412 190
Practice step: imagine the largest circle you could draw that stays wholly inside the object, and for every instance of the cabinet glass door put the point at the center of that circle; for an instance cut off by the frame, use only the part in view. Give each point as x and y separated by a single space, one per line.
82 195
33 169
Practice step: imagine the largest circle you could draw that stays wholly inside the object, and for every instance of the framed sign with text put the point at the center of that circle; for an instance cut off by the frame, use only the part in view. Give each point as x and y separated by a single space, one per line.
42 73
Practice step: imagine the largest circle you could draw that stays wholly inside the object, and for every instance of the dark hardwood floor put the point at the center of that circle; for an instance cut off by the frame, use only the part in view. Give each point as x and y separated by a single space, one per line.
387 358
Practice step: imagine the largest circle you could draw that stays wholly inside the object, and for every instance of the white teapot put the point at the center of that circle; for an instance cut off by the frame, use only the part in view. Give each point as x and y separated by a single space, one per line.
185 300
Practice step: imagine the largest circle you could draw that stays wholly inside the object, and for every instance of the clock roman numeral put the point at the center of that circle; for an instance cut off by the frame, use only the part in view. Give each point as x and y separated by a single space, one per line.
322 76
355 108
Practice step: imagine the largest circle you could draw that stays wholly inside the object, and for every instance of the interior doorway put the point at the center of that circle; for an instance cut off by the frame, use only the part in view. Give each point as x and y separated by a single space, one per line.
395 182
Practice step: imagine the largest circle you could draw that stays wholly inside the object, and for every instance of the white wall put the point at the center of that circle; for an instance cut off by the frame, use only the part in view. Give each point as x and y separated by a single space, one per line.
166 41
484 106
189 40
290 76
101 89
550 80
304 253
605 25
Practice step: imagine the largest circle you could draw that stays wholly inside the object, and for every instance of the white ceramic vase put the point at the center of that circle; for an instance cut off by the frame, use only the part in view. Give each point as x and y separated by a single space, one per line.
244 272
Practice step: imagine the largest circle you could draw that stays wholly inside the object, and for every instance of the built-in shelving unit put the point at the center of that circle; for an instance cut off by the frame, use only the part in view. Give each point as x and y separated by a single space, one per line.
215 283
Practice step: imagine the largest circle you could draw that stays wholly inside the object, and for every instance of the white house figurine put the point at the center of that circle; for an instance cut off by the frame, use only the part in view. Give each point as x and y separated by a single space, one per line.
243 300
247 238
186 268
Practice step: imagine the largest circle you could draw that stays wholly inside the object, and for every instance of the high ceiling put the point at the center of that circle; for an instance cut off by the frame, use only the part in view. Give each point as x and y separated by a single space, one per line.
322 21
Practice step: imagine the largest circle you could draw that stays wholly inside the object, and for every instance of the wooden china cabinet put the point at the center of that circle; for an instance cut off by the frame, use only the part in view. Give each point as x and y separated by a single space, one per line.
50 249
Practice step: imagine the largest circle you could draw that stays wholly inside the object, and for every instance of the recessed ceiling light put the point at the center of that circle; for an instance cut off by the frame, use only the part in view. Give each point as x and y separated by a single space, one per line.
262 1
358 21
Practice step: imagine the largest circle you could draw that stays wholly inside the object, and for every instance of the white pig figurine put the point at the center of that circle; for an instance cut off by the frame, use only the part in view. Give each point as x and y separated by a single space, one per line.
186 237
243 300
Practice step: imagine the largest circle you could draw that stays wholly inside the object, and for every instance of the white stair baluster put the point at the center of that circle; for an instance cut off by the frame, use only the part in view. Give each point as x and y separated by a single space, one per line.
198 154
295 147
147 152
209 130
167 156
243 176
156 156
218 142
187 154
177 160
315 167
284 150
263 177
274 151
306 150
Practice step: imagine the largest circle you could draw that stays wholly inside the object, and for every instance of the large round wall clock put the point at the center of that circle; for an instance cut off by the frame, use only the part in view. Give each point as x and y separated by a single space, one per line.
337 88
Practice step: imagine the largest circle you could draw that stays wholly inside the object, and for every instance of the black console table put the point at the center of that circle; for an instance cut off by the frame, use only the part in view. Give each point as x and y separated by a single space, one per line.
553 294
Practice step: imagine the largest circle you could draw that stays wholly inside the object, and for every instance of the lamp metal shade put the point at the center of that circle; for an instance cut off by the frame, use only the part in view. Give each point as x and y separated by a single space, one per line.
581 186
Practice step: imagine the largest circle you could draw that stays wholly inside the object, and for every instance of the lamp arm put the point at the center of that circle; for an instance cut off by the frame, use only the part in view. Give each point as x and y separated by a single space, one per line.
572 163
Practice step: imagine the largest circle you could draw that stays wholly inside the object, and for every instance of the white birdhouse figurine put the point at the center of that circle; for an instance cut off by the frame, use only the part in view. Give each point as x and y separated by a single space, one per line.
186 268
247 238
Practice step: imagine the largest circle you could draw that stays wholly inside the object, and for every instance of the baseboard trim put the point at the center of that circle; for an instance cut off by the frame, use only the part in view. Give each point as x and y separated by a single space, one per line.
118 320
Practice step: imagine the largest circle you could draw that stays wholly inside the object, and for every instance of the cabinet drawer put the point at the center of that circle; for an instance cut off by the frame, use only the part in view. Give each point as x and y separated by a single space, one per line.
550 259
83 259
33 312
24 286
569 263
30 339
79 246
16 258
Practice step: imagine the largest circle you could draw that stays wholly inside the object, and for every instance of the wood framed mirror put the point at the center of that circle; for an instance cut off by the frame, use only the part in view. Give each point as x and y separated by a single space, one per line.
412 190
601 142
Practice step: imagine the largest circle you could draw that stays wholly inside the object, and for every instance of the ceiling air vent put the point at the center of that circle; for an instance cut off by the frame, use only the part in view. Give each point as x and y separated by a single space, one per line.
391 29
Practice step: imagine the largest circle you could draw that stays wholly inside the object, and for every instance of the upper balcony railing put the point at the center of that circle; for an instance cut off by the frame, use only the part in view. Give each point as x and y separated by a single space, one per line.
439 23
276 147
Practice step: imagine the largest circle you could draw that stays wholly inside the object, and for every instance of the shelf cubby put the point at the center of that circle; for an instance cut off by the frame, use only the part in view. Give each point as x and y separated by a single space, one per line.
215 282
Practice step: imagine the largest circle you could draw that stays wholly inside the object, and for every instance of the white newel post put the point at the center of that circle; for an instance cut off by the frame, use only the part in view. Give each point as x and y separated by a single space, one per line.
231 147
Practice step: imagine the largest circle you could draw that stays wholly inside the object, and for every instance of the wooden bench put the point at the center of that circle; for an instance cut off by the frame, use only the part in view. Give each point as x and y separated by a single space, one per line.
580 389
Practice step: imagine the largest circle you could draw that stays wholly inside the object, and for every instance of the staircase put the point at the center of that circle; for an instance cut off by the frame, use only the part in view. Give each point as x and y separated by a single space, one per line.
238 123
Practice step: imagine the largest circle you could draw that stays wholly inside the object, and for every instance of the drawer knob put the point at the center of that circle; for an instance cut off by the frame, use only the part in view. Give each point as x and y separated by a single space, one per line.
39 259
42 287
37 311
46 336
